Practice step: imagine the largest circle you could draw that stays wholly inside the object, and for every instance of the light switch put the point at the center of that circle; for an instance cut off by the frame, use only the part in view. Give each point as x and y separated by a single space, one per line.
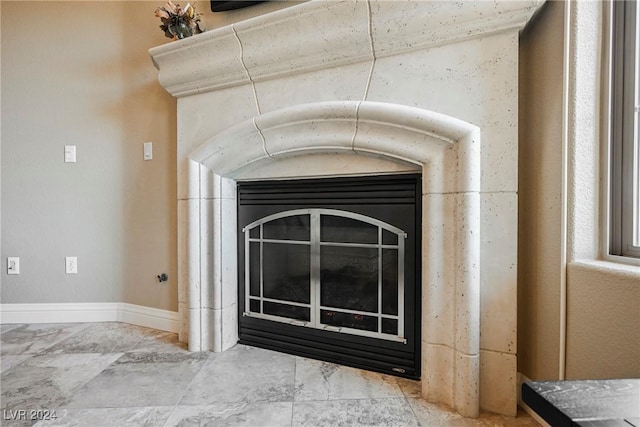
71 265
69 153
148 150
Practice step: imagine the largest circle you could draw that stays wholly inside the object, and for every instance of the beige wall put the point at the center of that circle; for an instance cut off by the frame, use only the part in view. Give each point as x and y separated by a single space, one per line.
602 298
76 73
540 193
603 339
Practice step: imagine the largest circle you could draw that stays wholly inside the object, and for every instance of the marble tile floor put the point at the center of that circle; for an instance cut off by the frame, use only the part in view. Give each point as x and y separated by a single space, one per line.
115 374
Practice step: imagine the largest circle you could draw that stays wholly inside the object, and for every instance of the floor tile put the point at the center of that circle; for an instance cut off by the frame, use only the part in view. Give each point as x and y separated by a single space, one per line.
521 420
146 377
109 417
8 326
264 414
410 388
160 342
243 374
431 414
364 412
108 337
8 362
316 380
436 415
140 379
34 338
44 382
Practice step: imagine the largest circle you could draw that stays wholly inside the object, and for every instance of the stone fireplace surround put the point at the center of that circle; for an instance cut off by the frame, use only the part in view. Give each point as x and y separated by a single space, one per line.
330 88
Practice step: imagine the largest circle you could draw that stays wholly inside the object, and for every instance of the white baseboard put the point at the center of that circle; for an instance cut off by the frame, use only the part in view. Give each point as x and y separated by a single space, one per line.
151 317
522 379
163 320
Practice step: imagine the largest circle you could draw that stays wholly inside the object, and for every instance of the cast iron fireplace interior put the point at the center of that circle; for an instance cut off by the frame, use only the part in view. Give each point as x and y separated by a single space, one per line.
329 269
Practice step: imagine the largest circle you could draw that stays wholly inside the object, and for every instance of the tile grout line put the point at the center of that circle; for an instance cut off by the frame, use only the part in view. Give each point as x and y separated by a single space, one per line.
80 386
406 399
415 415
186 389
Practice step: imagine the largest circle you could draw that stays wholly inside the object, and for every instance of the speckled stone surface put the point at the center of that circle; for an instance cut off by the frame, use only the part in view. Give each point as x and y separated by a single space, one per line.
243 375
317 381
106 337
585 402
114 374
31 339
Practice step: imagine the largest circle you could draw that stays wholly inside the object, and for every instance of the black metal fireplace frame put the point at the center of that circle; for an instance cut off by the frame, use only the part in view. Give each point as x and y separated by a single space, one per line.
379 197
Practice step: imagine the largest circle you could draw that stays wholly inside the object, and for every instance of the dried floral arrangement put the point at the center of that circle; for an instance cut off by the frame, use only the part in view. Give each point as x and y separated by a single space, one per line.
178 22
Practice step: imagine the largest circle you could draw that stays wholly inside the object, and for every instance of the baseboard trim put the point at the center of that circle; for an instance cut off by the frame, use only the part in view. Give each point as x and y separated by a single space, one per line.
151 317
522 379
163 320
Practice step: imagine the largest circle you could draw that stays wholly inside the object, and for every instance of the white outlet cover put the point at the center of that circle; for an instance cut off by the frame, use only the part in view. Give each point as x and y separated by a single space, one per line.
13 265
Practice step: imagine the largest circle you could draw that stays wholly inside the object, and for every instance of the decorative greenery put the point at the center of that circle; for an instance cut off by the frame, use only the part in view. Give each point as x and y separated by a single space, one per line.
178 22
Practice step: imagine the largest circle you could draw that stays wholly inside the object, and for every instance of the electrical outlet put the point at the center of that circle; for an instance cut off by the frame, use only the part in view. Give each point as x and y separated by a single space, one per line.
13 265
71 265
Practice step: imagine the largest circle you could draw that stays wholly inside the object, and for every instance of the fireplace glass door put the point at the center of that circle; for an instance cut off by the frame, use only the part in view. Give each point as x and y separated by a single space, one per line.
326 269
330 269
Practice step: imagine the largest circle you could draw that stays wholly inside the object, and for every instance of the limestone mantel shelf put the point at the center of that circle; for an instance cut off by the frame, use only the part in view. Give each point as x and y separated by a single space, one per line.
330 88
270 46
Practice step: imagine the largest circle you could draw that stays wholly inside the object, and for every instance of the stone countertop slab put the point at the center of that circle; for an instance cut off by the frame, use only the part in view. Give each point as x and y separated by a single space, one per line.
584 402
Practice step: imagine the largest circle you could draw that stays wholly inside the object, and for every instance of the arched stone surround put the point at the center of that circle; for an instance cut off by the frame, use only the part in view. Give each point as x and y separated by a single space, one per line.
447 152
333 88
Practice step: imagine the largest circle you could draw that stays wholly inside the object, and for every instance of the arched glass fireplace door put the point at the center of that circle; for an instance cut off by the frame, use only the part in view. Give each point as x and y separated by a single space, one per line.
326 269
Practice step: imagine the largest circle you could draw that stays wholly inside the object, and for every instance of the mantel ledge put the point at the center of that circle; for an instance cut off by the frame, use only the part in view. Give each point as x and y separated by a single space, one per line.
320 35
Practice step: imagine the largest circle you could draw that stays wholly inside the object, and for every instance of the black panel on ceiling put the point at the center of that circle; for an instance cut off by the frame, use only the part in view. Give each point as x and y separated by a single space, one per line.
224 5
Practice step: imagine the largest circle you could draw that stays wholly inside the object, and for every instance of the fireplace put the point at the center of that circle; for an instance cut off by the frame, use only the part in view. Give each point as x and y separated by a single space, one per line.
330 89
329 269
